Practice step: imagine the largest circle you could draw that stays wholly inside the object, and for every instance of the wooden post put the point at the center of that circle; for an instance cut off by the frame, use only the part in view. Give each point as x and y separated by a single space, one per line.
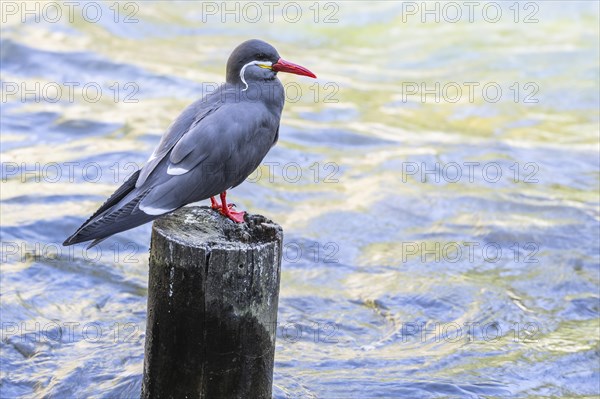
213 291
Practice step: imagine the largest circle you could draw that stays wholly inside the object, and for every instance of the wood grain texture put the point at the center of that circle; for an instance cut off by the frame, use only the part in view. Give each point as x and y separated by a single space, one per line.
212 306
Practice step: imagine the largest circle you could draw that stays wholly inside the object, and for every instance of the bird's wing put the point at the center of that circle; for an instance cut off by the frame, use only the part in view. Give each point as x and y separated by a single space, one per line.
205 139
211 158
187 121
191 170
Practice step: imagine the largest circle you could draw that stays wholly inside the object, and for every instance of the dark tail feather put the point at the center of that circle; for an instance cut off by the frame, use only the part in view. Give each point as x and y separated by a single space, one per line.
117 196
96 242
114 220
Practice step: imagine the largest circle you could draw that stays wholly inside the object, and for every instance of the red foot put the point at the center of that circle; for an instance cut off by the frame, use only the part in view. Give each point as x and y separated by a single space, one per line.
237 217
227 209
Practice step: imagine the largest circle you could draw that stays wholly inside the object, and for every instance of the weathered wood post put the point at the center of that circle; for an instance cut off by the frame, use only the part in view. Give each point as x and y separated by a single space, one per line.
212 306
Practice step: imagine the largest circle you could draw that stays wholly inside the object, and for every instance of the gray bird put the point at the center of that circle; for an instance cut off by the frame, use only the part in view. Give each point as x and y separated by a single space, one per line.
213 146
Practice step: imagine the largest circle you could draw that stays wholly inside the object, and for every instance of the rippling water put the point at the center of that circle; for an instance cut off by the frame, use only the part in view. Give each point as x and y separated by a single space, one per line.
438 189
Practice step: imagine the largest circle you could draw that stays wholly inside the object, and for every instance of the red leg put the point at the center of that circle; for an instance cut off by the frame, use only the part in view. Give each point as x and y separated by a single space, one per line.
226 210
214 204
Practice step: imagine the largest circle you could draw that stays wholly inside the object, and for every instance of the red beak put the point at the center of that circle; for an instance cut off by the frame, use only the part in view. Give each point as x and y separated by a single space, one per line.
285 66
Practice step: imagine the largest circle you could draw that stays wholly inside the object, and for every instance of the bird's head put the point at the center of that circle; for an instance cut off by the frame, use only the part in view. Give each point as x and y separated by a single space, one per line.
255 60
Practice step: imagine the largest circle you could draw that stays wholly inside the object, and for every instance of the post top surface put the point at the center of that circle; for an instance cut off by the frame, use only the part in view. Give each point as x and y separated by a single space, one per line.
199 226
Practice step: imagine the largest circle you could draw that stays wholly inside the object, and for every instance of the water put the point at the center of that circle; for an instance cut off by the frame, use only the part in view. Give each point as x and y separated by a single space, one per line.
412 267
